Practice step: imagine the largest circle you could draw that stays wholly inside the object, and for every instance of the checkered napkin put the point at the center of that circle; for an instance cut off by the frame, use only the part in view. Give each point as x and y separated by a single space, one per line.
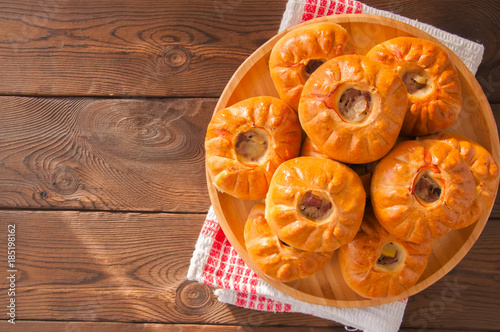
216 263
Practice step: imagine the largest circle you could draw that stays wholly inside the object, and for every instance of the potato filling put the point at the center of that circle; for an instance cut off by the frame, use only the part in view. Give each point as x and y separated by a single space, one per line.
427 189
315 207
416 82
354 105
252 146
312 65
389 254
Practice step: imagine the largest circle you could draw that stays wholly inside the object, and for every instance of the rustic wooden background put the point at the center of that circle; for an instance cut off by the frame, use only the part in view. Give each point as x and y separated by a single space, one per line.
103 110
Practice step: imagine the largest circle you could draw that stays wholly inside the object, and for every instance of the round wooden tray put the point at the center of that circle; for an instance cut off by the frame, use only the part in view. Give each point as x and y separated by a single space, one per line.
327 287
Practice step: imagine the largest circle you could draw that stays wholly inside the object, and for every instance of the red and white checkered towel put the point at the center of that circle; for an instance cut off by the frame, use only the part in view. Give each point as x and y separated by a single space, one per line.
216 263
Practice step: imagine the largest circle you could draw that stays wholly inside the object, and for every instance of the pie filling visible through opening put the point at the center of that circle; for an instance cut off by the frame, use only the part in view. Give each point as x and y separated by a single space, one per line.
417 83
251 146
427 189
315 207
355 105
311 66
391 257
389 254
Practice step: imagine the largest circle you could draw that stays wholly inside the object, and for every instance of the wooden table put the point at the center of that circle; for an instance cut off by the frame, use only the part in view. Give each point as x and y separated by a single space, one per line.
103 112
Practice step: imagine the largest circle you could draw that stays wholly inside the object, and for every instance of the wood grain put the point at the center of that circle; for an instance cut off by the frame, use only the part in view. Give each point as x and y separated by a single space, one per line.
173 48
131 267
110 270
103 154
42 326
51 158
129 48
121 267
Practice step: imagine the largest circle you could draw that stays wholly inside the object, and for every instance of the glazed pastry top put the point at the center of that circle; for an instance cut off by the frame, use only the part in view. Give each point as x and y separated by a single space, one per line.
315 204
300 52
247 141
421 189
276 259
434 90
376 264
352 108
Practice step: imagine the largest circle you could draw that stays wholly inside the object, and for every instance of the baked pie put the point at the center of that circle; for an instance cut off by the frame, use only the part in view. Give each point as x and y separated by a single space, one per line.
421 190
433 84
352 109
300 52
484 170
247 141
376 264
275 258
315 204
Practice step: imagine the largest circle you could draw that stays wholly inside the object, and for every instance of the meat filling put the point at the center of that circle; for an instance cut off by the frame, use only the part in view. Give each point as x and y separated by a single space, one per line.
354 105
312 65
427 189
389 255
252 145
314 207
414 82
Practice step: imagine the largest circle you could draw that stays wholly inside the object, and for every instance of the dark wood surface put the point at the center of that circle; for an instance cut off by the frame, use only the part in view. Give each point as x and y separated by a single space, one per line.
103 112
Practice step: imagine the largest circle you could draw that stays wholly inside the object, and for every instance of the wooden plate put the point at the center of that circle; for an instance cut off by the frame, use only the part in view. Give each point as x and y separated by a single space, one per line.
327 287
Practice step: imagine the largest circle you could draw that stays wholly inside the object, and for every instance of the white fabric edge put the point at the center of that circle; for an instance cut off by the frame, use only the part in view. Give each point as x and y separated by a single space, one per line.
387 317
201 252
293 14
383 318
470 52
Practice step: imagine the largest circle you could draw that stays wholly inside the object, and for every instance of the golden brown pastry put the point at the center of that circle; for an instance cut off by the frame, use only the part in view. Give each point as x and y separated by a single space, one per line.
299 52
352 108
275 258
247 141
421 190
309 149
434 91
315 204
376 264
363 170
484 170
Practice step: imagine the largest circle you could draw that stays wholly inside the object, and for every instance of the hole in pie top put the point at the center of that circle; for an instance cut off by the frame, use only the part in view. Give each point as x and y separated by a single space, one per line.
252 146
312 65
389 254
417 83
315 207
427 189
355 105
392 257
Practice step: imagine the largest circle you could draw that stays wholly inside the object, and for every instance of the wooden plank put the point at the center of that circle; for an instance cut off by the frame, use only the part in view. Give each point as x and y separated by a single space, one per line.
43 326
104 154
129 48
50 326
131 267
127 267
176 48
108 154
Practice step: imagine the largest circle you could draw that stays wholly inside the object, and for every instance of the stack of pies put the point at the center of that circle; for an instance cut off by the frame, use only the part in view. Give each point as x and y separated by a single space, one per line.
351 159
